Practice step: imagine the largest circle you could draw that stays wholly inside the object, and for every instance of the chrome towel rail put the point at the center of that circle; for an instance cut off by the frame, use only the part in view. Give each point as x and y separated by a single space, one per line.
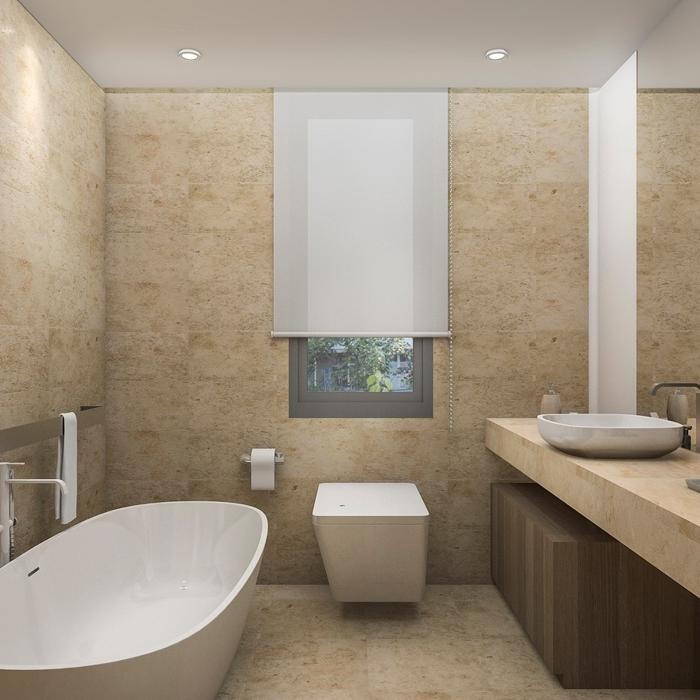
31 433
279 458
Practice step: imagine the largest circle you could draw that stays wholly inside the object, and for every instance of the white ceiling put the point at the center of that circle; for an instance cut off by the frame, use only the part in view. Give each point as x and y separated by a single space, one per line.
670 57
350 43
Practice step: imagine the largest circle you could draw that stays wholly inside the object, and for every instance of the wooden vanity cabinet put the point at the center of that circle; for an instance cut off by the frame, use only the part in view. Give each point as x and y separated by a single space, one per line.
598 614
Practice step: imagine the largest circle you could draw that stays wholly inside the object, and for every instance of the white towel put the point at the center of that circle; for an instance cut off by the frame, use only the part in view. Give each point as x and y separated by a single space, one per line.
67 469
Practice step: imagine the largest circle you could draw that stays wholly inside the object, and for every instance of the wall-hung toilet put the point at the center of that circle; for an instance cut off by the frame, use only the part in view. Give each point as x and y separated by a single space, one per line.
374 541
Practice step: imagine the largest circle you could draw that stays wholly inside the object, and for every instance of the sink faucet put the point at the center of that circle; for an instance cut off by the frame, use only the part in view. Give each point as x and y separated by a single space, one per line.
674 385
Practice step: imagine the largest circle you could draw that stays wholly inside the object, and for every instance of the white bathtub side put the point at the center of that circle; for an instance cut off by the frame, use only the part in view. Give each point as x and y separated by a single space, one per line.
126 583
192 669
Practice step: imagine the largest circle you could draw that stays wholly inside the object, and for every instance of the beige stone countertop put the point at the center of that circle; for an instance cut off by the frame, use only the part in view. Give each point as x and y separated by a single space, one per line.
645 504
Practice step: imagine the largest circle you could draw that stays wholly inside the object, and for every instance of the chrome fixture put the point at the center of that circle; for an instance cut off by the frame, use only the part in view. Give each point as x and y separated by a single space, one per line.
279 458
31 433
673 385
7 504
679 385
22 436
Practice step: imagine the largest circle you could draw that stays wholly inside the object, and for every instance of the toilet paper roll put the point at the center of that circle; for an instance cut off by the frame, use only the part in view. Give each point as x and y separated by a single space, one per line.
262 469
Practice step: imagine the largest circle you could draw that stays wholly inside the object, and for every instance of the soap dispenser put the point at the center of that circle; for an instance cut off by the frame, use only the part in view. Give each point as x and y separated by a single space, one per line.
677 407
551 401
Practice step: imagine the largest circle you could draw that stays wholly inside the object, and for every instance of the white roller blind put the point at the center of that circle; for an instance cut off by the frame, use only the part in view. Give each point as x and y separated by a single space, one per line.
361 213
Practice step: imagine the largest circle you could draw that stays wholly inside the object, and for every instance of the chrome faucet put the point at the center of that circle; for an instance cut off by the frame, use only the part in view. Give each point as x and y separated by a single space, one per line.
679 385
7 509
673 385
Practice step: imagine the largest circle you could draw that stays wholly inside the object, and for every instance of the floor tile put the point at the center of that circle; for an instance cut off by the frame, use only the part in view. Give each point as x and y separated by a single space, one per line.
459 643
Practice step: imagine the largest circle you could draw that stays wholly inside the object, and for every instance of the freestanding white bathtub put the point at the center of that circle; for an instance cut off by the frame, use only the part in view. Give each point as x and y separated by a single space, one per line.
141 603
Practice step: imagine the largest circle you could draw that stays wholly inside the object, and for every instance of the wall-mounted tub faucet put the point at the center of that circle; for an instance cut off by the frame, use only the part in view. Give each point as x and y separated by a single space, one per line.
7 507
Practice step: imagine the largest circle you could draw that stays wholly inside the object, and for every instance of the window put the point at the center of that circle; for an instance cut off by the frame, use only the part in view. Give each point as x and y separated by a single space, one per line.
360 378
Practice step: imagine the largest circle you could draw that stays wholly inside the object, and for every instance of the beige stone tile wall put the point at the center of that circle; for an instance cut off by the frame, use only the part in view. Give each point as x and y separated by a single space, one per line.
52 177
668 254
520 188
193 378
668 257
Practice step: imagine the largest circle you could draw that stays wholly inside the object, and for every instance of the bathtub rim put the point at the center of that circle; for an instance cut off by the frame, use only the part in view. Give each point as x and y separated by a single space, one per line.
230 597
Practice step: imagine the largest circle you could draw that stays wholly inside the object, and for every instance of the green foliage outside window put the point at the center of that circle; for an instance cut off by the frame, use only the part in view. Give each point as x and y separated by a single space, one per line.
360 364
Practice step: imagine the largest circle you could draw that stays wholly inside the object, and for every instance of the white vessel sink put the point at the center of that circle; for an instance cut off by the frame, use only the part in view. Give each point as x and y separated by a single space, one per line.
610 435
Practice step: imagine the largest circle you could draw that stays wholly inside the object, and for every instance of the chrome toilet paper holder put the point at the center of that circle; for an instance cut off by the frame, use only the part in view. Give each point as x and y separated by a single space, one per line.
279 458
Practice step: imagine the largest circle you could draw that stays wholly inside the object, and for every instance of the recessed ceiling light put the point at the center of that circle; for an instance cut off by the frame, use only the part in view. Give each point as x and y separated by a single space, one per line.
189 54
496 54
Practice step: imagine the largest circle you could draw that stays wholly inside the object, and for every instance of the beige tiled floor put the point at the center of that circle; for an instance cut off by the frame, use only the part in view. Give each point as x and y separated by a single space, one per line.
461 642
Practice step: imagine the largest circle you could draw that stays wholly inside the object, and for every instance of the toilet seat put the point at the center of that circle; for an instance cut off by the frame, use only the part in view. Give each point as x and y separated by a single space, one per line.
372 502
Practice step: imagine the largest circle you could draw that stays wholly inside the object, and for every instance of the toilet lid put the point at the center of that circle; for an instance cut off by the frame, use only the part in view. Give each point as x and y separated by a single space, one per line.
369 502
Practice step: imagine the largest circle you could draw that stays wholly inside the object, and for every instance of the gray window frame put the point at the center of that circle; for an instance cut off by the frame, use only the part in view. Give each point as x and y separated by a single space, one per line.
340 404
